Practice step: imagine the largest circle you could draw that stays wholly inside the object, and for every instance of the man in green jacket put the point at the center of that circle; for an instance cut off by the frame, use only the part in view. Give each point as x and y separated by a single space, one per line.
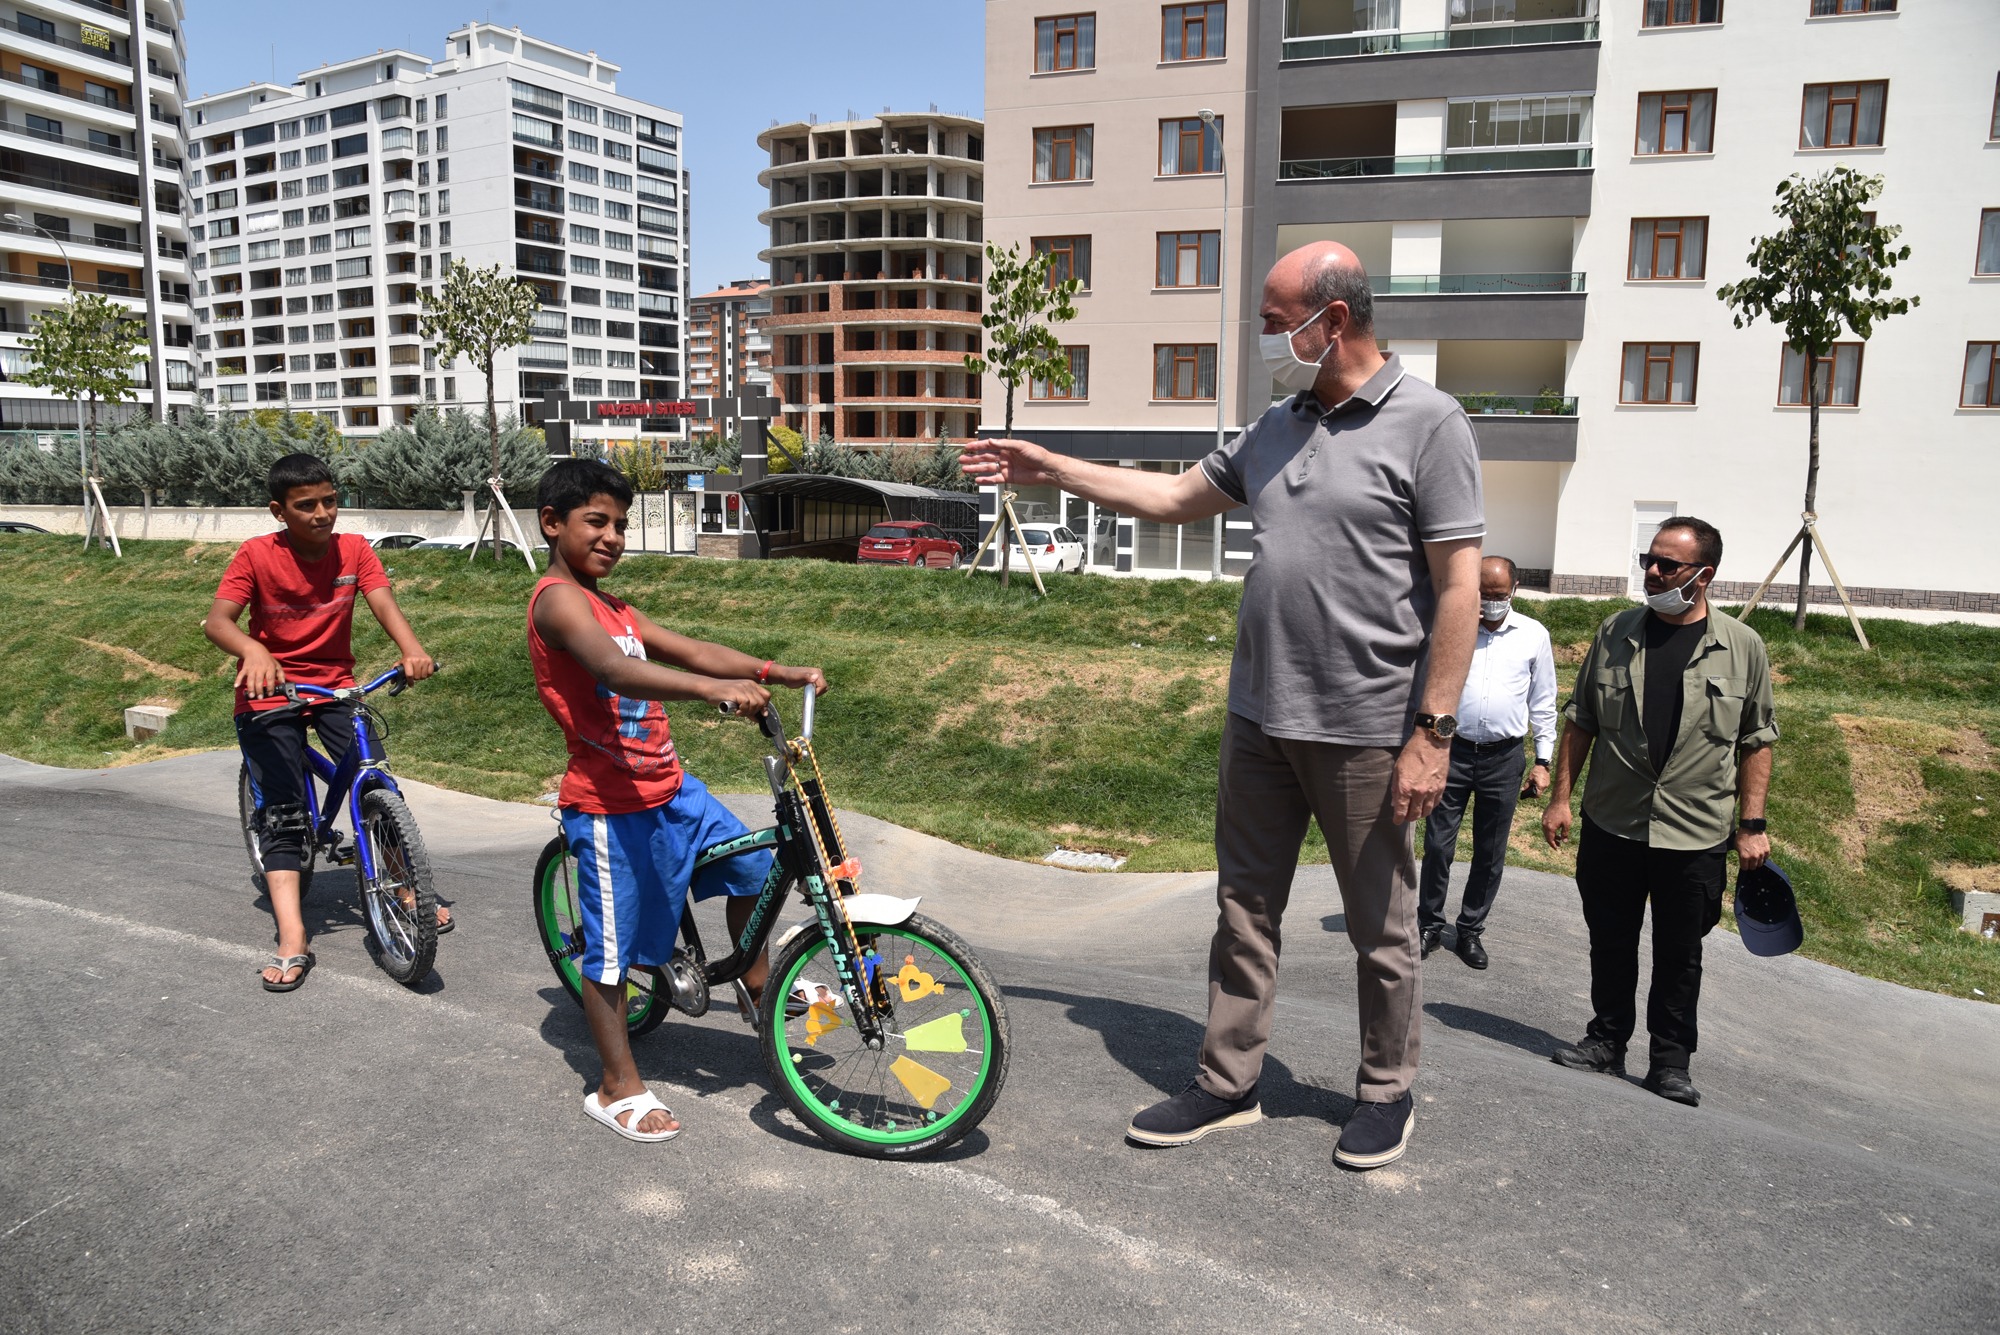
1678 703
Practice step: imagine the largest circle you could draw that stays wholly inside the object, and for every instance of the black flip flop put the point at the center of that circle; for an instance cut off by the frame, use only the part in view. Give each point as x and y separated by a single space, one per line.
445 925
303 963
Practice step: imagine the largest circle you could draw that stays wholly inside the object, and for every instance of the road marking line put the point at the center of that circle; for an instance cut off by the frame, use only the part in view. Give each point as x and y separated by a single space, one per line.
1138 1250
36 1215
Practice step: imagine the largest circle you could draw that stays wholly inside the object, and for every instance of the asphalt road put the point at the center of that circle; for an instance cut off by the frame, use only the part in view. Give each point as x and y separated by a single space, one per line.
180 1151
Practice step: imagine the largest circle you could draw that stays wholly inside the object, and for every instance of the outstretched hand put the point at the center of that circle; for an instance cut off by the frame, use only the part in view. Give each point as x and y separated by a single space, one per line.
992 462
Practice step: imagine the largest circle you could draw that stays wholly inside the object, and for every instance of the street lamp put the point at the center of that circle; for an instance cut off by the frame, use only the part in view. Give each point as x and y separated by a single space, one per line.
82 450
1208 121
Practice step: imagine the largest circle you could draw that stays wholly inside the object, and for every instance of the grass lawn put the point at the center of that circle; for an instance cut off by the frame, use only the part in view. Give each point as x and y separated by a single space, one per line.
1011 724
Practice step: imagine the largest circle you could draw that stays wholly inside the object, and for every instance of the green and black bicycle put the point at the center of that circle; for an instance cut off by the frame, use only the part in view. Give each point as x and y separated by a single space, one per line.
884 1033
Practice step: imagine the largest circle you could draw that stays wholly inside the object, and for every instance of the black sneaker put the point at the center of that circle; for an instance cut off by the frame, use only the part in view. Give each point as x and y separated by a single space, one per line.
1377 1134
1592 1054
1190 1115
1429 940
1471 949
1671 1082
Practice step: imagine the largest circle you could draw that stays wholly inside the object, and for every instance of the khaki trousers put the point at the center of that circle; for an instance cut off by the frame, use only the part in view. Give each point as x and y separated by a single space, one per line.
1270 787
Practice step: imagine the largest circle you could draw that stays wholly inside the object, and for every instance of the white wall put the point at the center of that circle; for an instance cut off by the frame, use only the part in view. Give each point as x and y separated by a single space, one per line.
1520 511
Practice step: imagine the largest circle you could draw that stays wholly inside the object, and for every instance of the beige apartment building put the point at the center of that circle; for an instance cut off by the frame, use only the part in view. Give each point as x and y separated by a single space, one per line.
728 344
876 270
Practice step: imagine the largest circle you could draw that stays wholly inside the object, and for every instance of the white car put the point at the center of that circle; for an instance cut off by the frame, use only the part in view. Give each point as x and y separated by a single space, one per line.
393 542
464 544
1055 549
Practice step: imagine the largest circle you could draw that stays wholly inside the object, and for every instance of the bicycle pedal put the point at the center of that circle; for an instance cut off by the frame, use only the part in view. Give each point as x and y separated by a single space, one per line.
341 855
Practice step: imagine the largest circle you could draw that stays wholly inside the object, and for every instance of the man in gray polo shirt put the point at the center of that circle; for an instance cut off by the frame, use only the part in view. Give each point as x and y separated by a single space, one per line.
1356 629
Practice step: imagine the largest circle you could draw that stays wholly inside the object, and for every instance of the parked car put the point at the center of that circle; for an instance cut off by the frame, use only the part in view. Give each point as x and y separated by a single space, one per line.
393 542
465 544
20 526
1055 549
908 542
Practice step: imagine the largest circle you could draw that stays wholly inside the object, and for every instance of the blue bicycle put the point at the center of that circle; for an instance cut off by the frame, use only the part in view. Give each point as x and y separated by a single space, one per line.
393 868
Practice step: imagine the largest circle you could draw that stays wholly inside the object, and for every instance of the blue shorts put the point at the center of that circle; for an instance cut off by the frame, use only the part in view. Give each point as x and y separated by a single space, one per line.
633 872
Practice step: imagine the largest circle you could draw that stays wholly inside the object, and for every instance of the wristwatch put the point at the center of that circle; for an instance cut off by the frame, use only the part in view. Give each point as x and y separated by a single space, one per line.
1752 825
1444 727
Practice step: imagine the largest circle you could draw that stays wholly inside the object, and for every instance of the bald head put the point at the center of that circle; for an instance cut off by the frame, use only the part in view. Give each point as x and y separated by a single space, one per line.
1312 277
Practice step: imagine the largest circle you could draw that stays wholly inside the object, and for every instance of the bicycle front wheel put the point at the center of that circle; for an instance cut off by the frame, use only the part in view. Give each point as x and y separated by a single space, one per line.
945 1046
559 922
398 900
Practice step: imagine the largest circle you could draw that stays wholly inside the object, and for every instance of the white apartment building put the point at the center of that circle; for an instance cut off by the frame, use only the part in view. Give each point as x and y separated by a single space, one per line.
325 207
90 189
1547 194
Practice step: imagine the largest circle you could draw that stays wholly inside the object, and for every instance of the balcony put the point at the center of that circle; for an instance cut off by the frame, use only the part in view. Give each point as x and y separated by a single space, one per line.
548 201
110 99
1461 38
1426 164
64 284
104 53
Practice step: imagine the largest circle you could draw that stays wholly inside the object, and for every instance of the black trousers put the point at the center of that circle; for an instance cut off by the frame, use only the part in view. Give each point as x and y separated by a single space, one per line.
1616 877
274 749
1489 778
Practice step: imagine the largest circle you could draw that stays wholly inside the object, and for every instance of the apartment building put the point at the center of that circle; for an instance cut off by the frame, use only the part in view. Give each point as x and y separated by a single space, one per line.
728 344
91 150
325 207
876 261
1547 194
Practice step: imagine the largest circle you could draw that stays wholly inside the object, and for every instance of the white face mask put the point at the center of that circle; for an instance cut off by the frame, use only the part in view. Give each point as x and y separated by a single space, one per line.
1494 610
1673 602
1285 365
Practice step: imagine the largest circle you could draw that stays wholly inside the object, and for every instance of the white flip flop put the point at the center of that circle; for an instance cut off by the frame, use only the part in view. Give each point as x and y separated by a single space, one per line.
638 1105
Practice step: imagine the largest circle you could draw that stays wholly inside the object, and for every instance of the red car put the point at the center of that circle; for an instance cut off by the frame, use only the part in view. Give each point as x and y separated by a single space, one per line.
908 542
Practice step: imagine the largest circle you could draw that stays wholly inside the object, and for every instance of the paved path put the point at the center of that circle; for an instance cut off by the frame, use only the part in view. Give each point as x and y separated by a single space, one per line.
181 1151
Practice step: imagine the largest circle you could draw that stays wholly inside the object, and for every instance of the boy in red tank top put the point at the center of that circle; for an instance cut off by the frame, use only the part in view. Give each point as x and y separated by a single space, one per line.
300 584
633 818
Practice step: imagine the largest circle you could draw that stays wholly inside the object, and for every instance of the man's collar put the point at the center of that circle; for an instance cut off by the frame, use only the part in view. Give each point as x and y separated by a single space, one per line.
1508 622
1372 391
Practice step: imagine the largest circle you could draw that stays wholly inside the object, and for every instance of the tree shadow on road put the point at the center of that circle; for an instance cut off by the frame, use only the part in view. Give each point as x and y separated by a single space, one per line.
1512 1032
1161 1046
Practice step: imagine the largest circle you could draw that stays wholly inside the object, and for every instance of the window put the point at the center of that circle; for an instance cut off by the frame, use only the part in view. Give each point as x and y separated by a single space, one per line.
1659 373
440 116
347 238
621 389
617 121
1836 379
1678 13
1523 122
1843 115
1822 9
288 160
622 272
618 241
1668 248
1981 387
584 264
316 125
582 204
581 235
347 178
586 296
619 301
1079 369
582 111
1681 122
1066 43
588 387
1071 258
444 139
615 150
1184 370
1989 243
1189 259
316 153
532 131
619 360
322 243
1062 153
617 180
1192 32
355 114
288 130
582 143
322 273
348 145
318 185
292 190
1993 130
1190 147
586 356
618 210
583 173
263 250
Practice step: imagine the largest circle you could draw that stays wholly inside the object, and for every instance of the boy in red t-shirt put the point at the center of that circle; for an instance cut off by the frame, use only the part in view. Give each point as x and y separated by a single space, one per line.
300 585
634 820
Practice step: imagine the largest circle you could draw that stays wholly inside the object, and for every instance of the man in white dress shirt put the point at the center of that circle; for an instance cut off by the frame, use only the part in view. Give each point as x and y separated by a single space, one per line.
1510 689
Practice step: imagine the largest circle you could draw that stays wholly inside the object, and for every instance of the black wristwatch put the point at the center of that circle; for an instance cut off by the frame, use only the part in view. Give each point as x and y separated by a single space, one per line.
1752 825
1444 727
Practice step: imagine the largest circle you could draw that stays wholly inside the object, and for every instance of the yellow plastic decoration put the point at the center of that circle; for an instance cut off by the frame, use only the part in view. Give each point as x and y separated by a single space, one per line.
944 1034
820 1018
916 984
925 1085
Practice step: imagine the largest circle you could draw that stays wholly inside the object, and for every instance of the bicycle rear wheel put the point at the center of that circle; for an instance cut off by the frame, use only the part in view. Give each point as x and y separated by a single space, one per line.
559 922
247 813
398 900
945 1042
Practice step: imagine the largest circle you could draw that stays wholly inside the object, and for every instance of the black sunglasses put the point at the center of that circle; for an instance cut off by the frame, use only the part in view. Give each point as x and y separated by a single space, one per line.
1668 569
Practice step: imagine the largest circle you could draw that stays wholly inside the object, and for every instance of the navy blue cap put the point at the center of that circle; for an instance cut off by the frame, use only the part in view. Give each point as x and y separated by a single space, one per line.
1767 913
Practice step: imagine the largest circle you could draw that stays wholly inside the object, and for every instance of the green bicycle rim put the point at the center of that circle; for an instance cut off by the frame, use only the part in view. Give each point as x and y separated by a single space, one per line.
552 891
921 1131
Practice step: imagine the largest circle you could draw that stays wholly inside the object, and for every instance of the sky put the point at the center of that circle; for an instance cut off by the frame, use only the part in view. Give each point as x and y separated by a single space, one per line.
730 67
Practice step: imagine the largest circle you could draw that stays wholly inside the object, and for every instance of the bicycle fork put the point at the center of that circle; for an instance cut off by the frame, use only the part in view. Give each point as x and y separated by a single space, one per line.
817 856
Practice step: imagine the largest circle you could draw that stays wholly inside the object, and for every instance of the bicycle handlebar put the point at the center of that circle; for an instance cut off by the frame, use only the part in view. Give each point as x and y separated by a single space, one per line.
303 695
774 727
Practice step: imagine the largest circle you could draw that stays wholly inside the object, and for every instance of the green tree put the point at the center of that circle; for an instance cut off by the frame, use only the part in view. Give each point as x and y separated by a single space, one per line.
1826 271
84 349
478 314
436 458
1021 305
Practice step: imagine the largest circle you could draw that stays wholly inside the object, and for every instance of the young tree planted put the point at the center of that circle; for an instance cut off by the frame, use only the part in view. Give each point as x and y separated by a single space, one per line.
1023 301
1826 271
478 314
84 349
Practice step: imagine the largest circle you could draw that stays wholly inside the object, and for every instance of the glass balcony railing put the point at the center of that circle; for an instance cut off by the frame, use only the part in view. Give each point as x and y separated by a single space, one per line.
1546 404
1423 164
1446 39
1472 284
